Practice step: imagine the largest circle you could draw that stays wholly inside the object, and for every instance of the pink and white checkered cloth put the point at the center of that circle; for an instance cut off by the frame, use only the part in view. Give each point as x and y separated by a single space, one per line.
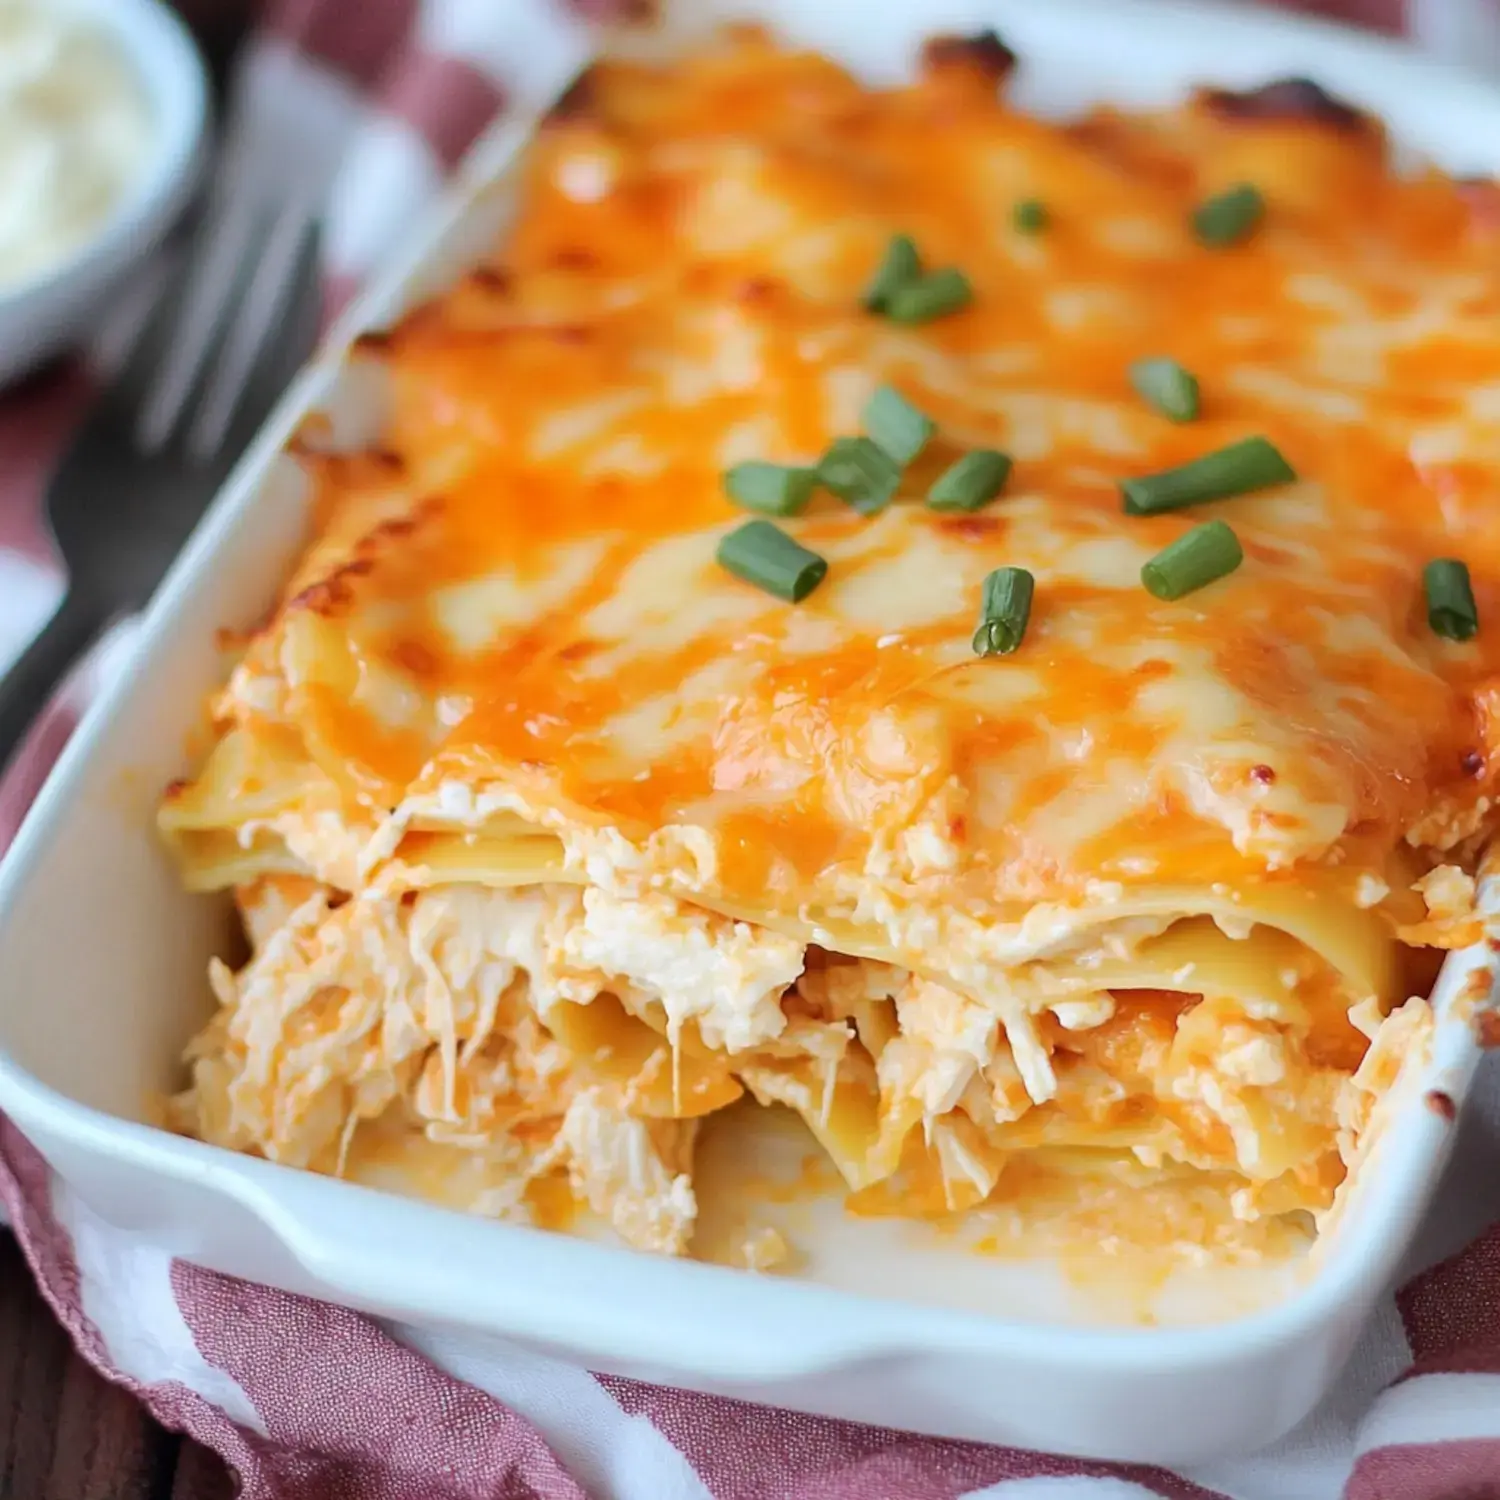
371 103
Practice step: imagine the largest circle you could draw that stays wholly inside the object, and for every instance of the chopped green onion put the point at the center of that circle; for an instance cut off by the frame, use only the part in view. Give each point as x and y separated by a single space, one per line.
861 473
1172 390
1229 217
1004 611
1451 611
1253 464
1029 216
898 266
1196 559
973 481
896 425
772 489
766 556
932 296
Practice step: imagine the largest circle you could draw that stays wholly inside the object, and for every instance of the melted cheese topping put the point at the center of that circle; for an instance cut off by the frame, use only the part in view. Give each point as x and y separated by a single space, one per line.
1117 891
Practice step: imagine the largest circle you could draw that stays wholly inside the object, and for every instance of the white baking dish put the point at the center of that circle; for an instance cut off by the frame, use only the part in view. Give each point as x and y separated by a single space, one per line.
103 956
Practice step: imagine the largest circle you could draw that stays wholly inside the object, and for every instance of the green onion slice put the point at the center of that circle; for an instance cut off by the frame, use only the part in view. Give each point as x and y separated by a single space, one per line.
1003 612
899 265
1239 469
766 556
772 489
1196 559
1230 217
861 473
973 481
1451 611
1029 216
931 296
1166 385
896 425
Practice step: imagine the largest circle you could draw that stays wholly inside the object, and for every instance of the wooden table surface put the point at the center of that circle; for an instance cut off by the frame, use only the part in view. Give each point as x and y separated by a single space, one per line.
68 1434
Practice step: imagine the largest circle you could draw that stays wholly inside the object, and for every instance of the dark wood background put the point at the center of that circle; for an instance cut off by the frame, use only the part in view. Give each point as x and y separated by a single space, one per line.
65 1432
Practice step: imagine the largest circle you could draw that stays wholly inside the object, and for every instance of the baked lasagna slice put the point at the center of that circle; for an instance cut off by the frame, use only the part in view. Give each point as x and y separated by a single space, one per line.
961 627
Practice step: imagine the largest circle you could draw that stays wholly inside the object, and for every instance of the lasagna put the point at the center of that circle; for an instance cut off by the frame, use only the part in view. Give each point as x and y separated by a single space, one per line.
976 630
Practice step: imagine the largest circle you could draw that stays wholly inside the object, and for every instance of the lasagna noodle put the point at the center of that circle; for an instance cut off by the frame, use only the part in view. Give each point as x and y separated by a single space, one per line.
552 839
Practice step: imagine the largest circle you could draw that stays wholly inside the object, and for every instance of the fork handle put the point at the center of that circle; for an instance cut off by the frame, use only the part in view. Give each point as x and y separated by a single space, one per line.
30 683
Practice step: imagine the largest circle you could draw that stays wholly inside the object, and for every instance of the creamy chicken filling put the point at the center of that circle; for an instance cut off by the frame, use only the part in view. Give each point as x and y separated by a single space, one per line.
570 1034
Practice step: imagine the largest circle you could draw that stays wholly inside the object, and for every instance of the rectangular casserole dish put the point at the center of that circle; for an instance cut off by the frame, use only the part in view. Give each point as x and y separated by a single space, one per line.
91 1030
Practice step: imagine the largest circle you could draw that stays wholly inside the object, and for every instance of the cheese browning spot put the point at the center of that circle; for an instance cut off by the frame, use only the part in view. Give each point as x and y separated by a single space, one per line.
1441 1105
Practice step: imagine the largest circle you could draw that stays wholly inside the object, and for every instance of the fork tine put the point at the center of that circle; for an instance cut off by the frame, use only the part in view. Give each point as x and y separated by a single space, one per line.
296 337
129 383
280 271
220 251
136 301
290 334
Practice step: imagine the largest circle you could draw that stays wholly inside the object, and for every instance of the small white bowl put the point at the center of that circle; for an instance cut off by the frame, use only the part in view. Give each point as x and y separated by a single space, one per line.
41 316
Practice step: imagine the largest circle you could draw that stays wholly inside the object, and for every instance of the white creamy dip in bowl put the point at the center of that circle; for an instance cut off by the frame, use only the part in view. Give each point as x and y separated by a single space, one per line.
103 107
